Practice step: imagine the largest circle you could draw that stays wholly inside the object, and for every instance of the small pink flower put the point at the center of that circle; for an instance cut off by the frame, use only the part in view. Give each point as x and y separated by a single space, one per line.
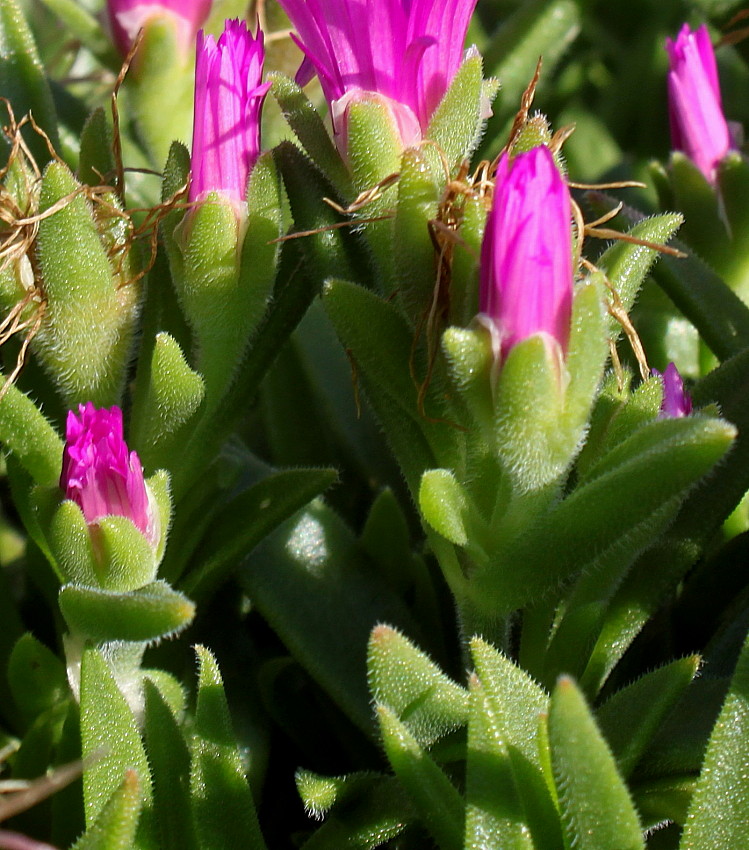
676 400
526 255
404 53
100 475
126 17
698 126
229 95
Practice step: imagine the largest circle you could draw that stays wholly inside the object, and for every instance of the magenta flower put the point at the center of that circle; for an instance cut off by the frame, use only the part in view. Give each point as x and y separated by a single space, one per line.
126 17
402 52
676 400
698 126
229 96
100 475
526 255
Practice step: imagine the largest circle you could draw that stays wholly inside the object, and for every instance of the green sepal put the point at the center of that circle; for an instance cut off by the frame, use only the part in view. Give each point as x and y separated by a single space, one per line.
494 813
96 162
586 356
435 799
143 615
319 793
26 433
626 265
23 80
84 341
260 250
733 180
410 684
529 402
222 805
109 737
415 266
126 559
172 393
719 810
374 145
36 676
160 490
697 200
309 128
116 825
162 65
464 283
169 758
632 716
660 462
209 290
470 360
457 123
70 543
596 808
374 150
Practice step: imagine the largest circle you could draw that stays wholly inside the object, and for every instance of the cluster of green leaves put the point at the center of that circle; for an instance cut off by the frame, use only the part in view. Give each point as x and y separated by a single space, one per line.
593 689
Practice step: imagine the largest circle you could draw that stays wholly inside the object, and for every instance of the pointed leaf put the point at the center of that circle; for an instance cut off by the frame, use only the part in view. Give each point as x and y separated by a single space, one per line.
719 812
597 811
109 735
116 825
410 684
435 799
223 808
146 614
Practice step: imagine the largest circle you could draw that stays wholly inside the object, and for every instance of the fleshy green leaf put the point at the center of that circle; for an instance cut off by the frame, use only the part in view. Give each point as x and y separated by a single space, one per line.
146 614
457 122
597 811
410 684
223 808
116 825
719 812
36 676
109 736
435 799
494 814
169 759
443 504
630 718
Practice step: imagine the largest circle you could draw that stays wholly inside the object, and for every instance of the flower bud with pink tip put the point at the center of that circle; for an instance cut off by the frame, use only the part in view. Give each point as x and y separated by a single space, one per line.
101 476
698 126
127 17
229 95
403 53
526 256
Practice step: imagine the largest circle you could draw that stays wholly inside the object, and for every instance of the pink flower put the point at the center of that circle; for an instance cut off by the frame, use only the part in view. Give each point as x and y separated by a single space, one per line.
403 52
100 475
698 126
676 400
229 96
526 256
126 17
